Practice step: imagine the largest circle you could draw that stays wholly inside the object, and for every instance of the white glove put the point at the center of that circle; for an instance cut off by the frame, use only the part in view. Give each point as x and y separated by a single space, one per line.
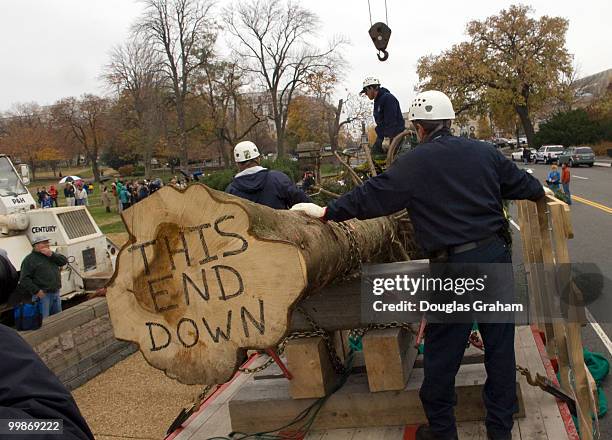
548 191
310 209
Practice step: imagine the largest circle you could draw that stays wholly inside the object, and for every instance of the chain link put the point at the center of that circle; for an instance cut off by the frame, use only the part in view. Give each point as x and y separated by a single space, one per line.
354 250
320 332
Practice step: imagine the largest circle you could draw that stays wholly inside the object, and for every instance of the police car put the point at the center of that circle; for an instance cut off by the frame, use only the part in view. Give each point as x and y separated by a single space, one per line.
548 153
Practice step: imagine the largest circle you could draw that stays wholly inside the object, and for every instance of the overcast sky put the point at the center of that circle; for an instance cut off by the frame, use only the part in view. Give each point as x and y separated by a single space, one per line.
52 49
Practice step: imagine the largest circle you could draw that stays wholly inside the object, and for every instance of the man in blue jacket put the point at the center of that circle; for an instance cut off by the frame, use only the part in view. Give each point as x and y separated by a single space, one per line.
260 185
452 188
387 114
30 391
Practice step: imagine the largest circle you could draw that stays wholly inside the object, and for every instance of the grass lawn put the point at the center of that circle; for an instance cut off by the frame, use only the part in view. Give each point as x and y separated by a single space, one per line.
109 222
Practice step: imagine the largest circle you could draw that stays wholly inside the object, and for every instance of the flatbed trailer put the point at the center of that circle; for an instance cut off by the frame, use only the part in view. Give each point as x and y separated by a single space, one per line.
542 416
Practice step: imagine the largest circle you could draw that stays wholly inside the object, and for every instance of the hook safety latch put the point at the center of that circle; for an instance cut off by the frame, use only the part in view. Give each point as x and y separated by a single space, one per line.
380 34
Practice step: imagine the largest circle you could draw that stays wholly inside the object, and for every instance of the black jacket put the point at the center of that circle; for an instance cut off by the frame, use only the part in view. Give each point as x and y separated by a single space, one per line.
388 115
452 187
29 390
267 187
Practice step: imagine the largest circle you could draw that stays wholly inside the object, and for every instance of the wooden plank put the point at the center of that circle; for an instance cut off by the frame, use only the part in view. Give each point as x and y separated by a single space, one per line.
584 395
265 405
538 221
312 370
389 356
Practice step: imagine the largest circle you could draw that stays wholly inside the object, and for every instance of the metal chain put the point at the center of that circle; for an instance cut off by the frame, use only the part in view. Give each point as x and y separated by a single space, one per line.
354 250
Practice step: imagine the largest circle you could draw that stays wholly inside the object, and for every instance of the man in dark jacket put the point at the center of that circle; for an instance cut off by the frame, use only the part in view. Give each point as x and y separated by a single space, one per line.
387 114
40 275
453 189
29 390
260 185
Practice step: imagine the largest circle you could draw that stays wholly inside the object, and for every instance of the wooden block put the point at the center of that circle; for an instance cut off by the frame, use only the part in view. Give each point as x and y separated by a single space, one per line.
312 370
389 356
266 404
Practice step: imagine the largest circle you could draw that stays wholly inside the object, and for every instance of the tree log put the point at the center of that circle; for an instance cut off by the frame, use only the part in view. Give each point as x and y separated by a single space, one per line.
206 276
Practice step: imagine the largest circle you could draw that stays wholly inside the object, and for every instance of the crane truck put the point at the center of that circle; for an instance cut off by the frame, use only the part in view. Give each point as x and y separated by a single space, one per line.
71 230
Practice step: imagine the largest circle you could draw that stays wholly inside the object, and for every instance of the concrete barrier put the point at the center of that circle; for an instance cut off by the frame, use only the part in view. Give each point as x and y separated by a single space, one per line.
78 344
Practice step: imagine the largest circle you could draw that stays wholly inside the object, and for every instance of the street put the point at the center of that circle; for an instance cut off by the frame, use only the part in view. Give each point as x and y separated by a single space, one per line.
591 214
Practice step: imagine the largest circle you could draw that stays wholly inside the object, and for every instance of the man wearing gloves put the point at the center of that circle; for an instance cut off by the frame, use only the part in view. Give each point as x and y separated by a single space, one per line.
453 189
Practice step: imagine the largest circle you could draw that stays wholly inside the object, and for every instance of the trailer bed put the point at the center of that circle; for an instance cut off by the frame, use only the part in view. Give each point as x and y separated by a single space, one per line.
545 418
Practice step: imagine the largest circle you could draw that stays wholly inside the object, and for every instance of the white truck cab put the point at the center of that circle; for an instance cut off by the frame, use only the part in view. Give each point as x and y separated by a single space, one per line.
72 232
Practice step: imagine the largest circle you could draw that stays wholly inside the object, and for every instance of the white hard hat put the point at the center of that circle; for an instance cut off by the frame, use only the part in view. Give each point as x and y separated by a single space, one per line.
245 150
39 239
431 105
370 81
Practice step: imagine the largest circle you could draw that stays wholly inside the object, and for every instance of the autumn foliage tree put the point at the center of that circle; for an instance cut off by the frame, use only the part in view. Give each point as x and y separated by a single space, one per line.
26 133
510 59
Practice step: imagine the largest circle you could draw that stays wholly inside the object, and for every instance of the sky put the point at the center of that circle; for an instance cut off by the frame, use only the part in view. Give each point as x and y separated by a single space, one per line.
51 49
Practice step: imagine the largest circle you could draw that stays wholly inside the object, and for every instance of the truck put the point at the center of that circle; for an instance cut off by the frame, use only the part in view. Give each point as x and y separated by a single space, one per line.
71 230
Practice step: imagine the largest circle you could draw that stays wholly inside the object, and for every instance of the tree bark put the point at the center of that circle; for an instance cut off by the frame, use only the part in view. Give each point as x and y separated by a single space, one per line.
195 288
523 112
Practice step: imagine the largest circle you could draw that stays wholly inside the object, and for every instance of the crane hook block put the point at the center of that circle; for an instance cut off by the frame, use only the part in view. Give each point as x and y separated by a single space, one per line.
380 34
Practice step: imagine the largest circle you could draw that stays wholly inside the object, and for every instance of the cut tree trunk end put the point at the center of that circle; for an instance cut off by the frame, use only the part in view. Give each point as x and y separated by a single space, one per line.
206 276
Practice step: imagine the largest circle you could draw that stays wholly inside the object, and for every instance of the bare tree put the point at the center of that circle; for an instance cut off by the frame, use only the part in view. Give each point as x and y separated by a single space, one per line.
219 85
176 29
84 121
275 44
136 70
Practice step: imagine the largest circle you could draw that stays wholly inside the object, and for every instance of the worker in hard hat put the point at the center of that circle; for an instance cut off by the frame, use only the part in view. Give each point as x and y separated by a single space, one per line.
453 189
387 115
260 185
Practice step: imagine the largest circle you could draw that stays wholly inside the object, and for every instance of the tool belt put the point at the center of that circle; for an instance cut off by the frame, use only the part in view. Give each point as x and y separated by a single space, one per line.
441 256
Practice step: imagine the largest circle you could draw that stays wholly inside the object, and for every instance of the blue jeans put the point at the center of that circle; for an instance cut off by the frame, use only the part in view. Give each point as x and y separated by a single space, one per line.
566 190
51 304
444 347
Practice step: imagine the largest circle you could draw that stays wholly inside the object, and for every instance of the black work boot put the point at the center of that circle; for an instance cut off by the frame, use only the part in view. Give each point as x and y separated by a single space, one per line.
425 433
496 436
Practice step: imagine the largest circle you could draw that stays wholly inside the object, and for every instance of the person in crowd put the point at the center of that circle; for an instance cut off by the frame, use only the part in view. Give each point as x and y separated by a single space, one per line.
105 198
260 185
53 194
554 178
526 155
308 181
40 275
46 201
69 191
80 195
124 197
565 182
29 390
143 191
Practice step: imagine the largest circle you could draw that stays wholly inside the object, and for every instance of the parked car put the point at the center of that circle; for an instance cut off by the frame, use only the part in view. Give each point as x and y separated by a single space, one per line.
575 156
548 153
518 154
